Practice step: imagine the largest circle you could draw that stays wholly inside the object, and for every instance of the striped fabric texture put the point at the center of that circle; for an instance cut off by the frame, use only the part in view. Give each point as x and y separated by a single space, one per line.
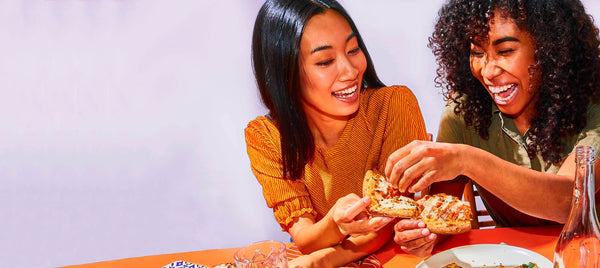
388 118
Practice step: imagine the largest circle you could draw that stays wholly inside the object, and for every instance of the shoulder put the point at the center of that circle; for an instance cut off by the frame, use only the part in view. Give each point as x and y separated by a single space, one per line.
452 126
388 97
592 119
397 92
261 123
449 116
261 128
592 125
593 113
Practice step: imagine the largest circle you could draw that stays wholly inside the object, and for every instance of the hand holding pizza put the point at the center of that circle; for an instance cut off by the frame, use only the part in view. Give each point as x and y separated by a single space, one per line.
414 238
440 213
349 214
420 163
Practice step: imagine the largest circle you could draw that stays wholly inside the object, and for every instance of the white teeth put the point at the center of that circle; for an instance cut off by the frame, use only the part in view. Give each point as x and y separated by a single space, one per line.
499 89
348 91
502 101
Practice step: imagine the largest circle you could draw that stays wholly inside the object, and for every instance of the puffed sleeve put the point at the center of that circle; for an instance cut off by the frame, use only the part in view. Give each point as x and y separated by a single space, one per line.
288 199
405 121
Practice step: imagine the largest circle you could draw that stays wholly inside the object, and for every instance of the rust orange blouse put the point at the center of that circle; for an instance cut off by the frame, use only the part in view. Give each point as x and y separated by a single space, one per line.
388 118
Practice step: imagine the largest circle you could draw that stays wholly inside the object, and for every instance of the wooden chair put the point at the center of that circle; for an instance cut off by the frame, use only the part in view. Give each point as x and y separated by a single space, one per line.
477 211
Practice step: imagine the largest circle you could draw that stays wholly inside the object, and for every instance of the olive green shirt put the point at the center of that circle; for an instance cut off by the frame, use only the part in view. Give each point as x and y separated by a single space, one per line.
506 142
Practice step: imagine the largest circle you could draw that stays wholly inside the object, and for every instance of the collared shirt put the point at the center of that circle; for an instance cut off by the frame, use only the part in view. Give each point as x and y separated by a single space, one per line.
506 142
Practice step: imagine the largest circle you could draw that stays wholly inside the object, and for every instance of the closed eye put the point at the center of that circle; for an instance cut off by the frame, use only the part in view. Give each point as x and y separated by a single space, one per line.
476 54
354 51
324 63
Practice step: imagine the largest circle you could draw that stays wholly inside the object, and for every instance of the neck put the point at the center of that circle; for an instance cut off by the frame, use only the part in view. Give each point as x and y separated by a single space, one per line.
522 124
326 131
523 119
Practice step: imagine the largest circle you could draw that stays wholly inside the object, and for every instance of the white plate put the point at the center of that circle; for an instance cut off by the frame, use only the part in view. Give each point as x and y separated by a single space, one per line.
485 255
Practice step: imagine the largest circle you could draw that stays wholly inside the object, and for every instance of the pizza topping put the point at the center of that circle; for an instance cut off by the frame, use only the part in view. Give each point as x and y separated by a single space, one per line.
399 202
443 214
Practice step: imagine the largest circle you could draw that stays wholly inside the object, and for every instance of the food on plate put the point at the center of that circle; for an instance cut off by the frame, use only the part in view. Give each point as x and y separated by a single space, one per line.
443 214
528 265
452 265
387 200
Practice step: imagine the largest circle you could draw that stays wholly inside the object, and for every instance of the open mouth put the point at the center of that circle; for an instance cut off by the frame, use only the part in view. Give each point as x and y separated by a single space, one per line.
346 93
503 94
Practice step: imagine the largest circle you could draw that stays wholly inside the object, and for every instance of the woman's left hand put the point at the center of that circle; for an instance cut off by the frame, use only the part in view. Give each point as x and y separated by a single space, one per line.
420 163
414 238
349 214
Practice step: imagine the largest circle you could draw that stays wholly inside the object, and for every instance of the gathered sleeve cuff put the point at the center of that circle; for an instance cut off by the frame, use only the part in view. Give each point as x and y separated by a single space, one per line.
288 199
285 212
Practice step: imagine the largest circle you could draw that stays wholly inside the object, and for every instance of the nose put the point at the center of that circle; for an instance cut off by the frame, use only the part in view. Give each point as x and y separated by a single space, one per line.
490 68
347 70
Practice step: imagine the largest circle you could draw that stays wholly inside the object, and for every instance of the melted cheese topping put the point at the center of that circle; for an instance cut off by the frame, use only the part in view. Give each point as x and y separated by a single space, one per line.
446 207
399 202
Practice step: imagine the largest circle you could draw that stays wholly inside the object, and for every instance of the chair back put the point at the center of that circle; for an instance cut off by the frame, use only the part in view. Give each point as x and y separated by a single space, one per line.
481 217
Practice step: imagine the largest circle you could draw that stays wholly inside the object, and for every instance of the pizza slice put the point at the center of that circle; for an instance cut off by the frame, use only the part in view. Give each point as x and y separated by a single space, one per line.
443 214
385 199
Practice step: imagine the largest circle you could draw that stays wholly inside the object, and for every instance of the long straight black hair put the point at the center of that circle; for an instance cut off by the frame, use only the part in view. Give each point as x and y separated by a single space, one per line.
276 39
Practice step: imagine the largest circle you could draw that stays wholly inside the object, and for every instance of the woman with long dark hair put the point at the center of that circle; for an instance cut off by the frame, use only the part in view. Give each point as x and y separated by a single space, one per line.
330 120
522 80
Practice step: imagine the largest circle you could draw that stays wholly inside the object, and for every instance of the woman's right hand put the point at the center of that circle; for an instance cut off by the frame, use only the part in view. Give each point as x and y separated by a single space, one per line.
349 214
414 238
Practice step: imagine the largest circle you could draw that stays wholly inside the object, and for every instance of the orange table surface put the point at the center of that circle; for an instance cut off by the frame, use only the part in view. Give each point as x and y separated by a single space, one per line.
540 239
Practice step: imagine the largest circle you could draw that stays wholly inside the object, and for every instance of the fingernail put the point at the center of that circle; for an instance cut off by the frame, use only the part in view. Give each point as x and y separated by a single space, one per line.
425 232
421 224
386 219
366 200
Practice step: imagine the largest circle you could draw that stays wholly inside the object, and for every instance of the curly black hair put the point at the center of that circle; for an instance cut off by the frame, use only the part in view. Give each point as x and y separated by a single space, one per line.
566 53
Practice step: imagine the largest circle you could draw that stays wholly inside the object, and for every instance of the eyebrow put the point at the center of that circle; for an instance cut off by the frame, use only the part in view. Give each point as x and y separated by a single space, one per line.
499 41
319 48
505 39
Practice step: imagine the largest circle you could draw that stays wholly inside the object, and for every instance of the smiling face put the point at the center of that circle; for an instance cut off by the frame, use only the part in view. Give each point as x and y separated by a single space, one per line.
331 67
502 63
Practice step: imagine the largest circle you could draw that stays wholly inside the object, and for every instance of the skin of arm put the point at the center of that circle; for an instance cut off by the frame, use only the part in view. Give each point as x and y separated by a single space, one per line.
542 195
346 218
348 250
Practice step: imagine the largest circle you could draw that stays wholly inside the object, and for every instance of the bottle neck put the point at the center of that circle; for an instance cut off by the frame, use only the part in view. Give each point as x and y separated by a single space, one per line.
584 206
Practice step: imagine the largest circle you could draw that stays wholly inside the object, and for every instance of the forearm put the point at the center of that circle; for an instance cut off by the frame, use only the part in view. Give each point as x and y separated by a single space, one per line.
310 236
352 249
539 194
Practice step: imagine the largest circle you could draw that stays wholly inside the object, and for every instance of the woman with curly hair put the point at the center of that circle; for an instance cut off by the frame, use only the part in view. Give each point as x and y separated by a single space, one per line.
330 120
522 80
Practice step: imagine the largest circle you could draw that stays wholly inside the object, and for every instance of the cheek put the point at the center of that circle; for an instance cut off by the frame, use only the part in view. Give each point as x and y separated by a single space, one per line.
360 64
475 69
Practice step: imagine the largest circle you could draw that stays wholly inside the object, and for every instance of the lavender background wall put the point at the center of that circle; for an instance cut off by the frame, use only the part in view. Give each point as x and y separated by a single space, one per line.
121 122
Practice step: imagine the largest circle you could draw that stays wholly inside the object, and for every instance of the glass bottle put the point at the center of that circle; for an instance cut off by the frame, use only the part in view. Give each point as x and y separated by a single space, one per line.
583 221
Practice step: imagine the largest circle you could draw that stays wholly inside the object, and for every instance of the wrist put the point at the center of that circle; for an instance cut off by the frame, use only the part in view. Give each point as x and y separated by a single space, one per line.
321 258
335 228
465 156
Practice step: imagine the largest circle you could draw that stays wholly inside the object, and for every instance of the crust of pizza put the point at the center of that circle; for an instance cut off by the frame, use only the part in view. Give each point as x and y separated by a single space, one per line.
445 214
385 200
